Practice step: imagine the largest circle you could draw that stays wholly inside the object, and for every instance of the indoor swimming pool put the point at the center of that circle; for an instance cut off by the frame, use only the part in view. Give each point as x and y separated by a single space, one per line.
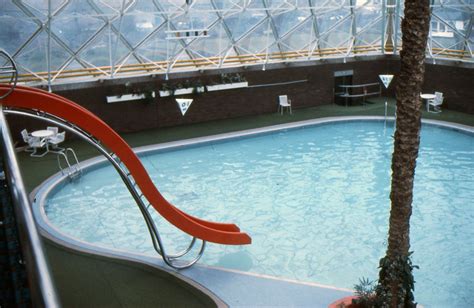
314 199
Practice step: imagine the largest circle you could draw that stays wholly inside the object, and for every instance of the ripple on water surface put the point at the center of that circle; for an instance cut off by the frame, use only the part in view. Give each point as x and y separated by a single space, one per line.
314 200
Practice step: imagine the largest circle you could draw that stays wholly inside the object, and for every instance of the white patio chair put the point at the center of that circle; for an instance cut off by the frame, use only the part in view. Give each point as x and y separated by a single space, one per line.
53 129
37 143
435 103
55 140
26 139
284 102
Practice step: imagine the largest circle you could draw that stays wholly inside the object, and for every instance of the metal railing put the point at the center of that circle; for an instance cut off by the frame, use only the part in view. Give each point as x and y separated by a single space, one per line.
43 293
173 260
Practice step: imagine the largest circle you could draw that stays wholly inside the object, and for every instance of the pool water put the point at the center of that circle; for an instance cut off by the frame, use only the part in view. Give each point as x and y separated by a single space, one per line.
315 201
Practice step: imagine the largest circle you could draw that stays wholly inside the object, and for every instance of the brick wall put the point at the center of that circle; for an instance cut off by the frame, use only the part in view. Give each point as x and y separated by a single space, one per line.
455 82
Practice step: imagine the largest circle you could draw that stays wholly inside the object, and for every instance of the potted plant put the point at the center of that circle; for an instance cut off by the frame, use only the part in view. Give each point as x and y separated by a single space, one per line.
167 90
134 93
229 81
364 296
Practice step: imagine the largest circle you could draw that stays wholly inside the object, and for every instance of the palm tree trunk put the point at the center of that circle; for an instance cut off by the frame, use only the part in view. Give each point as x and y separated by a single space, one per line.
394 286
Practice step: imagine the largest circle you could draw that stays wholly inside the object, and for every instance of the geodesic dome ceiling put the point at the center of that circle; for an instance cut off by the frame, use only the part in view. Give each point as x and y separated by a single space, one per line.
58 39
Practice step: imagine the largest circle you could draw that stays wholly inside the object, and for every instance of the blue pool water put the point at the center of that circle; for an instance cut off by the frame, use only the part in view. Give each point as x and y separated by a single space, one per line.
315 201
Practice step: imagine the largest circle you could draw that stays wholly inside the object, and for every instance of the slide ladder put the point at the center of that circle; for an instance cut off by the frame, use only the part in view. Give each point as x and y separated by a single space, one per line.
80 121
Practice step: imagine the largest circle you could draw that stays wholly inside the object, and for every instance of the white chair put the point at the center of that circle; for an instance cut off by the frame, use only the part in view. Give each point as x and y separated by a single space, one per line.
26 139
53 129
55 140
435 103
37 143
284 102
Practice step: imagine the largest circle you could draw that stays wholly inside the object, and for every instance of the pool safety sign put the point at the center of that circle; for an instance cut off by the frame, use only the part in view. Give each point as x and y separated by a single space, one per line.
386 79
184 104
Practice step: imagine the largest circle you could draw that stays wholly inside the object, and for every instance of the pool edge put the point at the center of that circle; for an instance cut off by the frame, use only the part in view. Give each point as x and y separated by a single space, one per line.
49 231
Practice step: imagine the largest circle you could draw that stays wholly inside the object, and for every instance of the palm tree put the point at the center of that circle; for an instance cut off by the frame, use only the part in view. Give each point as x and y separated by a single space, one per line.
395 278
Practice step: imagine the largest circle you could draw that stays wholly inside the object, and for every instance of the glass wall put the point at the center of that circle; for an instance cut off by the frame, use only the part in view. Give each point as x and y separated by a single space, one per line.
57 39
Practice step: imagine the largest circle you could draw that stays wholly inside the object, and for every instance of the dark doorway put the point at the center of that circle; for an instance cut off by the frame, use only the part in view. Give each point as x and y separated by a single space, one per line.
339 92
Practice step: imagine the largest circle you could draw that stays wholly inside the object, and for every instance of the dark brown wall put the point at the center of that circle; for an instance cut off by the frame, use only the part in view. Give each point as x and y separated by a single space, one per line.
135 116
455 82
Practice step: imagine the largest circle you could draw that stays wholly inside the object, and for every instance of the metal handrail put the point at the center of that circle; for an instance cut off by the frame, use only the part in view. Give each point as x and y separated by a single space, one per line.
10 69
72 171
169 259
43 292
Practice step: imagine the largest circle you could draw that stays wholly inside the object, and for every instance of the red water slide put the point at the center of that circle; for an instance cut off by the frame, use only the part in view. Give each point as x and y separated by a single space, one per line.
31 98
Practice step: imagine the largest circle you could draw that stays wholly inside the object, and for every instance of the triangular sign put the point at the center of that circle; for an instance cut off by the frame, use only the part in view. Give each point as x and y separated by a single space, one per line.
386 79
184 104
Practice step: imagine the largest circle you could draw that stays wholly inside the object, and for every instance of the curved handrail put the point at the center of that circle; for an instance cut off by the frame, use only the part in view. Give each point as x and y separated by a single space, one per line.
170 259
10 69
30 98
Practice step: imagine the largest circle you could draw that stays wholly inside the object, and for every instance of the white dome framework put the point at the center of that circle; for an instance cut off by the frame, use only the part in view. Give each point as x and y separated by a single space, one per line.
89 39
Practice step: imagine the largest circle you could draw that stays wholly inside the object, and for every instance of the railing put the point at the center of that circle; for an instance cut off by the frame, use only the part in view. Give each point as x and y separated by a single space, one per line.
162 67
71 171
196 63
41 286
172 260
360 91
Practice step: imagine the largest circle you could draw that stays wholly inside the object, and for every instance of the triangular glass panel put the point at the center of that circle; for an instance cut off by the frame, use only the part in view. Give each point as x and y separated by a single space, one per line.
446 19
171 5
21 69
16 27
179 60
451 46
124 63
215 44
99 51
339 36
369 36
241 23
202 5
300 37
259 39
366 15
74 17
328 20
226 4
448 32
253 4
229 57
286 21
73 65
274 53
194 20
141 19
159 48
281 4
33 56
336 3
111 6
40 8
182 56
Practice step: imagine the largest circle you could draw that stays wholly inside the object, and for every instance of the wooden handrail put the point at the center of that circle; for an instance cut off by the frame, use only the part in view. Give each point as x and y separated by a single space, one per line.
162 66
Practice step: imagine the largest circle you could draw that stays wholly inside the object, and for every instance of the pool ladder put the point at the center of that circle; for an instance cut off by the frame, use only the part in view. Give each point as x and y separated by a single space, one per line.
71 171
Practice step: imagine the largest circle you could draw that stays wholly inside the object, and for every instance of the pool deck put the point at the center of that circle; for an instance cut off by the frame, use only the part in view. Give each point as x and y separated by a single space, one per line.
233 287
239 289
